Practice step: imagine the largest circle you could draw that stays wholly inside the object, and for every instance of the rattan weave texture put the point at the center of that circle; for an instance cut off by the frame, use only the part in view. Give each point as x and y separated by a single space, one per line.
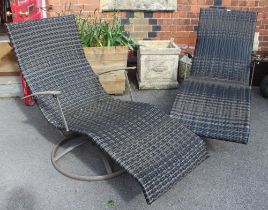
221 110
215 101
224 45
153 147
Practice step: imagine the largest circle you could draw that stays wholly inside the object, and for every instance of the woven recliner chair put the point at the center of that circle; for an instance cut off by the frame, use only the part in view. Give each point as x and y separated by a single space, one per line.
214 101
150 145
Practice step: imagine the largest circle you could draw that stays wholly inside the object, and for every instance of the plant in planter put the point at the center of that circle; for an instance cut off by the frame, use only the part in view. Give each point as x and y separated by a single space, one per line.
97 32
185 65
259 56
106 47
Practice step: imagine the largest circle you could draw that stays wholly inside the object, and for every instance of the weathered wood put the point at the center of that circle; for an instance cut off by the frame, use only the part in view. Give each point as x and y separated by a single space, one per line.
104 66
8 61
113 82
104 59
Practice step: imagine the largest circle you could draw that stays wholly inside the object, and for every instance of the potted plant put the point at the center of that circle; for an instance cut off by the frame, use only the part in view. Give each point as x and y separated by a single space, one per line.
106 46
185 65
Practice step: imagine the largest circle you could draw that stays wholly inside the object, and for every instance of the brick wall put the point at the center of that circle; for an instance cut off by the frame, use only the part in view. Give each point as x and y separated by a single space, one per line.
263 25
180 25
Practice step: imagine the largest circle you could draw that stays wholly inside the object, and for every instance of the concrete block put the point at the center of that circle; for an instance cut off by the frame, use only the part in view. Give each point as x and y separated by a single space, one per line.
140 5
158 65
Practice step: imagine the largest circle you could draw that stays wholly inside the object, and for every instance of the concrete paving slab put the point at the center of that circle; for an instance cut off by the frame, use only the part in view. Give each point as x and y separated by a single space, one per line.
234 177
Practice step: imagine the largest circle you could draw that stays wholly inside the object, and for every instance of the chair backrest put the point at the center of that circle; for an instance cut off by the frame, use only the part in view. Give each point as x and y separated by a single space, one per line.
51 57
224 44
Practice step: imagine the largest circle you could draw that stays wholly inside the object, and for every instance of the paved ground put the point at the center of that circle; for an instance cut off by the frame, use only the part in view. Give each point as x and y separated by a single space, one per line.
234 177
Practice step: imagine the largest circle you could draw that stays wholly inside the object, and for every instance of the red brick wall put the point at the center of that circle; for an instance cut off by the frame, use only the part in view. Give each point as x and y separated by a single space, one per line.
263 25
260 6
181 24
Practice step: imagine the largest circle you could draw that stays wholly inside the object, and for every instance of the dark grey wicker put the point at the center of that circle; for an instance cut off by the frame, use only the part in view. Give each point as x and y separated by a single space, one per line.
215 101
153 147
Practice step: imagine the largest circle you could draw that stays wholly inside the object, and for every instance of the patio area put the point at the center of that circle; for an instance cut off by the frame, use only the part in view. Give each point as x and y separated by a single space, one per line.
234 177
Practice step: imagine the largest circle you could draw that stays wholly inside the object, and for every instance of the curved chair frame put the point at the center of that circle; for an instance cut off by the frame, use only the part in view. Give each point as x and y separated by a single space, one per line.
54 157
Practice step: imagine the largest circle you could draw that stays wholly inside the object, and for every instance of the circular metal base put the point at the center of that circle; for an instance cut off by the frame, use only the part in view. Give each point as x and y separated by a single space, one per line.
54 158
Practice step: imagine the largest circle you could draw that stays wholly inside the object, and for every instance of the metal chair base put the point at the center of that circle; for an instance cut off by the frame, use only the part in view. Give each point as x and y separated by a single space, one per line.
54 158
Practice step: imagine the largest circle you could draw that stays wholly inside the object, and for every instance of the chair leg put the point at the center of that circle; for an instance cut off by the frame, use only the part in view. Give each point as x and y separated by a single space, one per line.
107 164
55 157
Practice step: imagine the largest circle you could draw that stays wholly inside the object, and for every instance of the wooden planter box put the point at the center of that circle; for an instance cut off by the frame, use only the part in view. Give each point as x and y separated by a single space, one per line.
104 59
8 61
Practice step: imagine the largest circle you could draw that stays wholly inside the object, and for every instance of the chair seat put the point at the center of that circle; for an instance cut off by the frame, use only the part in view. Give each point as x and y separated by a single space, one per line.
153 147
215 109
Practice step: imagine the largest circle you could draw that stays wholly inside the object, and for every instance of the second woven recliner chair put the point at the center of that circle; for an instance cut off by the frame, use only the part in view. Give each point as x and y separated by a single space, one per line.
150 145
215 101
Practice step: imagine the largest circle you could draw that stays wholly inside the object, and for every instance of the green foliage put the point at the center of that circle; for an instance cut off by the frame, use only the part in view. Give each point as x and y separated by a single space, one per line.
97 32
110 203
